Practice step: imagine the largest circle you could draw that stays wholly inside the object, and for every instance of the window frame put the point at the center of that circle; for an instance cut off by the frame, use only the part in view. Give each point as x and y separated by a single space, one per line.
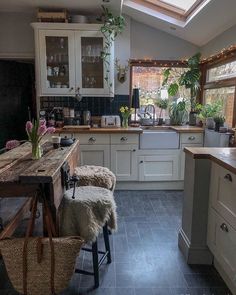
152 63
212 62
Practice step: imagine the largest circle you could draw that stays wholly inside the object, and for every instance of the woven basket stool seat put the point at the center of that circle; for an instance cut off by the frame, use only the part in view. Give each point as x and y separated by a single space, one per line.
96 176
86 214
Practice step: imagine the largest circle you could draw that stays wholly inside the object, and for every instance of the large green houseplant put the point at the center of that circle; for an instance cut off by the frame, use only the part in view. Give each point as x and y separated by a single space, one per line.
190 79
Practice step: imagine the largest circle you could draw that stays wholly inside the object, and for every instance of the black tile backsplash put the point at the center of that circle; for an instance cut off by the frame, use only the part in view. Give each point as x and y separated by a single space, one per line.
98 106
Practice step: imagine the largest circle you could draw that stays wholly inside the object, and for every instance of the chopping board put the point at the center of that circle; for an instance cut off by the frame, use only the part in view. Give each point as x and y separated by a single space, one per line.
76 127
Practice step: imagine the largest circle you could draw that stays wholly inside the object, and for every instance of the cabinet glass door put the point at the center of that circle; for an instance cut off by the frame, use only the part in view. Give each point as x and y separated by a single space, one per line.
91 70
57 69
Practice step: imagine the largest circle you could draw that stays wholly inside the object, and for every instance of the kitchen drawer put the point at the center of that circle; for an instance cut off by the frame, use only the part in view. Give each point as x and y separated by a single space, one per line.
221 239
124 138
92 138
223 193
191 138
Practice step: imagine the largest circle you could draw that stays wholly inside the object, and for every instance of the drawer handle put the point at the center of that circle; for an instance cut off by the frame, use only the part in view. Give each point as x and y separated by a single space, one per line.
224 227
192 137
124 138
228 177
134 150
141 162
92 139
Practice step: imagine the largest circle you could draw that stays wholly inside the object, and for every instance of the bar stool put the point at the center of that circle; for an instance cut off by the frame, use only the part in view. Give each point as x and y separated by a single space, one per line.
86 211
96 176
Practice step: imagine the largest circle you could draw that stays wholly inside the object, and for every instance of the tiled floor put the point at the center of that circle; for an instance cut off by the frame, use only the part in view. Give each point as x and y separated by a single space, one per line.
146 258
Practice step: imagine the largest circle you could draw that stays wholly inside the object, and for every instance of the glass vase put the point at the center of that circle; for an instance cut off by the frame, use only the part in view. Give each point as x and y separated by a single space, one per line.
36 151
125 122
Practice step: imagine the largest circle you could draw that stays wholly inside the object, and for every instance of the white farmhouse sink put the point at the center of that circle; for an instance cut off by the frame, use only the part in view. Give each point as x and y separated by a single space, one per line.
159 139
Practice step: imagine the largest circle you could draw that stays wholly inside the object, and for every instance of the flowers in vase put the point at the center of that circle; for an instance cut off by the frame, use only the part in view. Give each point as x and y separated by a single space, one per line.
36 131
125 113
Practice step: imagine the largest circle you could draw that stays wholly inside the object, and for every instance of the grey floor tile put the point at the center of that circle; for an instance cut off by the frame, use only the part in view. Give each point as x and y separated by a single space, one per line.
146 259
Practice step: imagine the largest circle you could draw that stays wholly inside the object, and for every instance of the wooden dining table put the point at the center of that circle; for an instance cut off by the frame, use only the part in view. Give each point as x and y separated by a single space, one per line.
20 176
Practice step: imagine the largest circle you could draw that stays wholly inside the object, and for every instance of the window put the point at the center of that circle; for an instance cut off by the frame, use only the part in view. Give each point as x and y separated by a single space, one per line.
222 72
148 78
220 84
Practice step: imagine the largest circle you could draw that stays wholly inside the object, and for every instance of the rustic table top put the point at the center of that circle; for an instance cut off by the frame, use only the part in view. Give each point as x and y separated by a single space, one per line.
17 166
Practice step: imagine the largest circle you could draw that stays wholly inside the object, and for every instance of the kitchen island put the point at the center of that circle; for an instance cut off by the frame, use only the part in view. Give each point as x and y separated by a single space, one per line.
208 232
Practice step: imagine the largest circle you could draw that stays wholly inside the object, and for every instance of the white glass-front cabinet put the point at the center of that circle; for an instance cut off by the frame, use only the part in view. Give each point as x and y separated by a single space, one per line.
57 63
68 60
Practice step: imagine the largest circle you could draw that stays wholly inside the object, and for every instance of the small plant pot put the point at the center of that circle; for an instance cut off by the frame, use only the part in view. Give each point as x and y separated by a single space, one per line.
192 118
160 121
210 124
217 126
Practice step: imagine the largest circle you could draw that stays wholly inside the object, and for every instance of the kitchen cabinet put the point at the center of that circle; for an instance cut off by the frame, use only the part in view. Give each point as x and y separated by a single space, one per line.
124 149
98 155
123 161
221 235
188 140
159 165
68 60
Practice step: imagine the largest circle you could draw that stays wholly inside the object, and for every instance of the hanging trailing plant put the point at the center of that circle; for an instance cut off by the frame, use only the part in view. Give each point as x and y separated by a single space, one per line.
112 26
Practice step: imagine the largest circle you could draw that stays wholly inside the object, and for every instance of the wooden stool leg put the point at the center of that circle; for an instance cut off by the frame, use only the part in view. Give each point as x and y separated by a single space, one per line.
95 264
107 243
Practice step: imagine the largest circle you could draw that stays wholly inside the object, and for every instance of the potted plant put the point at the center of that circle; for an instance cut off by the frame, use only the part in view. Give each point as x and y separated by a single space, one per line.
190 79
219 122
163 105
111 27
178 112
209 111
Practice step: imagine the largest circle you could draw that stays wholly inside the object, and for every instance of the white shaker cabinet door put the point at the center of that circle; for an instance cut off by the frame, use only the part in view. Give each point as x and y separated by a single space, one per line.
98 155
124 162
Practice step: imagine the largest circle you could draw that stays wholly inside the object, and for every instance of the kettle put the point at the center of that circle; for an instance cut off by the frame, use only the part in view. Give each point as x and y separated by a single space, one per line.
86 117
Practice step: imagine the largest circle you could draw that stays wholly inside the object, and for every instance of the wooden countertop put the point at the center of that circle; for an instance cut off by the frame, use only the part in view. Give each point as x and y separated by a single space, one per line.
100 130
137 130
225 157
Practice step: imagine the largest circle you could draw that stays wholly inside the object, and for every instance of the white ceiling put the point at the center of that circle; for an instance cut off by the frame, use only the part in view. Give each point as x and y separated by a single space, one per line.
216 17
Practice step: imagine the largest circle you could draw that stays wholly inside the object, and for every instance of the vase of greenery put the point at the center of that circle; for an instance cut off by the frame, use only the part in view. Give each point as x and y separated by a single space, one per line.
163 105
190 79
125 113
178 112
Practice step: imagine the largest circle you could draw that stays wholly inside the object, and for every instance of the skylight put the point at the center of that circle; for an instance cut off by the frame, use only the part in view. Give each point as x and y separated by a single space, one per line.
182 4
180 9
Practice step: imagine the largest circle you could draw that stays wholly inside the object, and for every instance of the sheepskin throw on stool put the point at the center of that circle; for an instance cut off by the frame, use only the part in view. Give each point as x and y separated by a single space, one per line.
96 176
87 213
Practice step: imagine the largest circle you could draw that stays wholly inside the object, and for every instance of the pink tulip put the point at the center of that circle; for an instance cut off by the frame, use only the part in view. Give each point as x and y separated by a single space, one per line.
28 126
51 130
42 122
42 130
11 144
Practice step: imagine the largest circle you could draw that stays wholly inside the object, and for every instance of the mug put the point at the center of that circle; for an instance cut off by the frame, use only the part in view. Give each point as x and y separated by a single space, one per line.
56 140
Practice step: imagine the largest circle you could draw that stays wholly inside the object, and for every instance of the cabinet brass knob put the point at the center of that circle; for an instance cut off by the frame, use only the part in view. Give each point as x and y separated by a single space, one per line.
191 137
123 138
92 139
71 88
228 177
224 227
